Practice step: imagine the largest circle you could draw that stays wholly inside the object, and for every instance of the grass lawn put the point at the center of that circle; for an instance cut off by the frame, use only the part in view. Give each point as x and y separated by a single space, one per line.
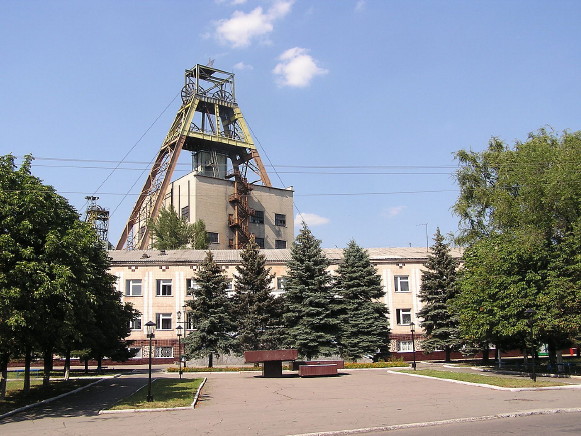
15 398
166 392
505 382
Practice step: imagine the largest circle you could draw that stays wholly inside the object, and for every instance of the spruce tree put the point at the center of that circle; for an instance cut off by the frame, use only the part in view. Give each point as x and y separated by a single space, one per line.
214 328
437 290
363 319
310 318
258 312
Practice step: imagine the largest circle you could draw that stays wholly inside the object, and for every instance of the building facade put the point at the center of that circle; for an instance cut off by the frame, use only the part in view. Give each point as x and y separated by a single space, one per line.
157 282
196 196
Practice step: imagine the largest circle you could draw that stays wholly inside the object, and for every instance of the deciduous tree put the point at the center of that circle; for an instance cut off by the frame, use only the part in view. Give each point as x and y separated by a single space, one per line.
520 209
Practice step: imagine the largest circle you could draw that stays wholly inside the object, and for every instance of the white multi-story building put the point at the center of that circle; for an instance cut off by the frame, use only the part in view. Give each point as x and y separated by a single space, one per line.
157 282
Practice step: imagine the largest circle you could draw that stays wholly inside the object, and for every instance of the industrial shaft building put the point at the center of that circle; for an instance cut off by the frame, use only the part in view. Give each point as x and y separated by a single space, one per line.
228 188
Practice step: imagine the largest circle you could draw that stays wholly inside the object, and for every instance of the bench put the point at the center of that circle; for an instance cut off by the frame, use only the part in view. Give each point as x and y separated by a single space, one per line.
296 364
317 370
271 360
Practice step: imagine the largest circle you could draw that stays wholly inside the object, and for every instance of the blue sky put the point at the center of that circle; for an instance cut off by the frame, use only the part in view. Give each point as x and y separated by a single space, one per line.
359 105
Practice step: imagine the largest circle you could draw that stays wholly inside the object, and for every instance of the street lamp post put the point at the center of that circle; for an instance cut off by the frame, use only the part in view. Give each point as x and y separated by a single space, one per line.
530 314
413 330
150 329
179 330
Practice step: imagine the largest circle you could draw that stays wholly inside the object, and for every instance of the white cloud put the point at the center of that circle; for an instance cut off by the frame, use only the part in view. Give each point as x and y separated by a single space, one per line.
243 66
238 2
393 211
310 219
360 5
297 68
240 29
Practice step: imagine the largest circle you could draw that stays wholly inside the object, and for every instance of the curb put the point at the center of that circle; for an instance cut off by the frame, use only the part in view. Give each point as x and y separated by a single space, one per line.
58 397
158 409
482 385
442 422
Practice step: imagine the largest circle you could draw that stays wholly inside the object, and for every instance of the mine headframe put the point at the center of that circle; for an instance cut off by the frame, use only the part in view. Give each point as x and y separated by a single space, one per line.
208 123
98 217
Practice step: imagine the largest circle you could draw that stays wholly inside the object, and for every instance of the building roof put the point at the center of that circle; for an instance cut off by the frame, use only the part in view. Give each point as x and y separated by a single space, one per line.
156 257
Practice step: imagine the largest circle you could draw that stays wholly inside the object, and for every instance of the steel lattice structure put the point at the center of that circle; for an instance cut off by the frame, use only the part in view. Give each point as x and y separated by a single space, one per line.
209 120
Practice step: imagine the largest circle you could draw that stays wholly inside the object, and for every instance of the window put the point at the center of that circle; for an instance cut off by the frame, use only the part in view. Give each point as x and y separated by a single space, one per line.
133 288
230 284
135 323
189 320
280 282
259 242
163 352
163 288
405 346
163 321
257 217
402 283
136 352
280 244
213 238
404 316
279 220
191 285
186 213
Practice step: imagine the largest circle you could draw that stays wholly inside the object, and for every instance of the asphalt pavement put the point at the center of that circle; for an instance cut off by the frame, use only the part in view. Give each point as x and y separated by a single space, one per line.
355 402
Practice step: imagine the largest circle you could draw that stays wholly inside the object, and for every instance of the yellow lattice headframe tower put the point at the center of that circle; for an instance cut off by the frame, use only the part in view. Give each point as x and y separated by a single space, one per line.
208 122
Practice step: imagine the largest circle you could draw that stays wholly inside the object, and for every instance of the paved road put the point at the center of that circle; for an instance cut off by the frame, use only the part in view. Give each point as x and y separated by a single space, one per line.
246 404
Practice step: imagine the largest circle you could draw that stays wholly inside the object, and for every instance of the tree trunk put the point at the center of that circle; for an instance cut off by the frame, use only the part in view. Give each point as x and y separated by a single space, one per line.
485 355
67 373
27 360
4 358
100 365
47 358
552 349
86 365
448 352
211 360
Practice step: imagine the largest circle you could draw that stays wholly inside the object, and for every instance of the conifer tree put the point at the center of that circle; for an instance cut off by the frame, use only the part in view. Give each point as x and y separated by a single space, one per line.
258 312
310 318
363 319
214 328
437 290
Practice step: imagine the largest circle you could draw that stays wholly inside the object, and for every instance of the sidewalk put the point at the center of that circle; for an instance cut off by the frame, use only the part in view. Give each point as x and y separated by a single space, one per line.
245 403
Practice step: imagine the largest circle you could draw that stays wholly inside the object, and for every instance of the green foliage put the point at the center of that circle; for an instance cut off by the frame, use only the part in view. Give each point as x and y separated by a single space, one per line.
166 392
364 326
310 318
505 382
438 288
214 327
170 232
258 313
55 288
520 210
199 239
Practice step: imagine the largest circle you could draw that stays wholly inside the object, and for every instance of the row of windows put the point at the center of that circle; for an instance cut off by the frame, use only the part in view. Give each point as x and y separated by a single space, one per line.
139 353
163 321
258 218
163 287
